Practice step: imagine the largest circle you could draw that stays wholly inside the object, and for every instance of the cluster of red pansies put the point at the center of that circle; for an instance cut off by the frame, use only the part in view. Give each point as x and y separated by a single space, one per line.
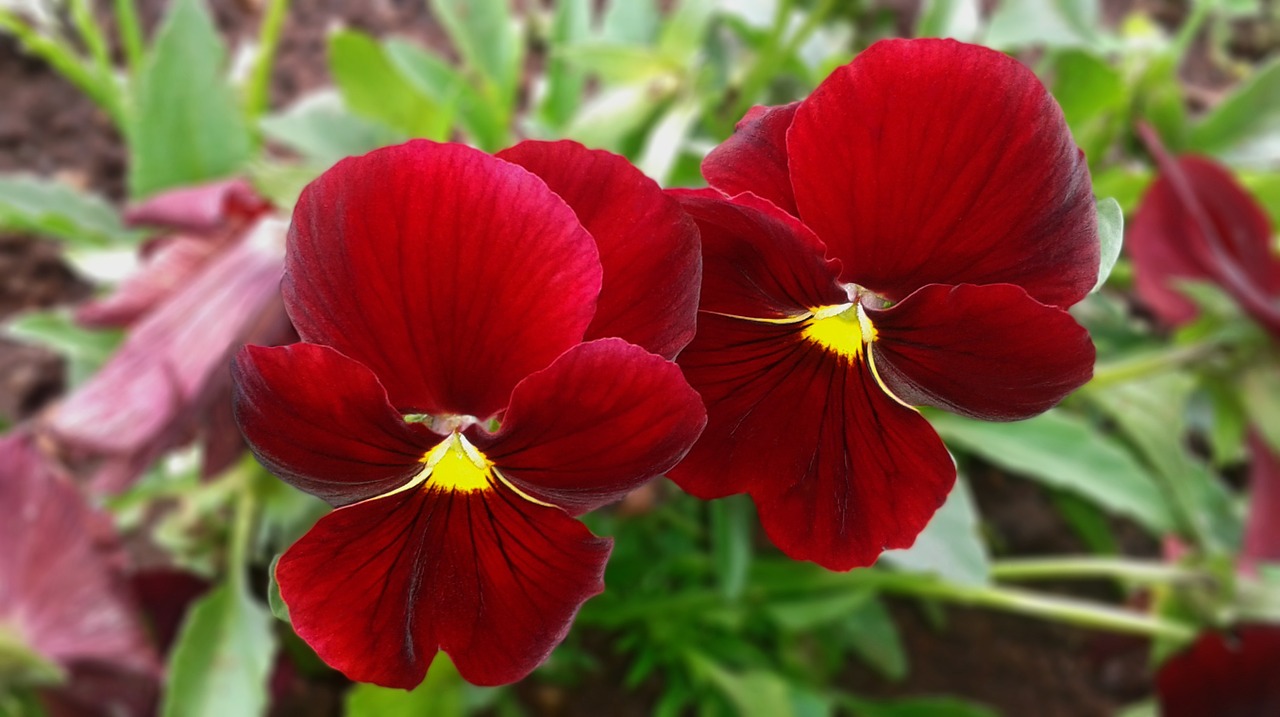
487 347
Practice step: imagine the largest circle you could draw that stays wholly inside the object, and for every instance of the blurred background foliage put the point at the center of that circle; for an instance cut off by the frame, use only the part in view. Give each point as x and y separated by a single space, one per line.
700 615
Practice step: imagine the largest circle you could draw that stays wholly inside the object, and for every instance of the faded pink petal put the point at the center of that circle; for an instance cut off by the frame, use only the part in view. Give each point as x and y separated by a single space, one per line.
200 209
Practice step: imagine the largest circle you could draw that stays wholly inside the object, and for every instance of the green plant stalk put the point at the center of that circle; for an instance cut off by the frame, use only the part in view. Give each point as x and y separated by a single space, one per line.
92 37
246 510
1156 362
765 65
257 93
67 63
130 35
1086 567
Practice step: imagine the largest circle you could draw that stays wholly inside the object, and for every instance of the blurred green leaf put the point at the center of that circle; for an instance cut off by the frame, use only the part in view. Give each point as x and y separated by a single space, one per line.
755 693
483 116
223 656
1159 99
950 545
487 38
1111 234
322 129
918 707
873 636
50 208
187 127
1245 128
1260 391
85 350
682 32
1053 23
373 88
732 523
817 609
958 19
1066 452
632 22
617 64
274 601
441 694
1265 188
1123 184
1093 97
571 24
667 140
615 113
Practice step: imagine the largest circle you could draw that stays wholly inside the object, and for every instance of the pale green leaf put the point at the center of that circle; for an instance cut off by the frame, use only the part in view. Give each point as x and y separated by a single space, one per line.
571 24
1245 128
441 694
483 117
873 636
1111 234
1055 23
321 128
487 37
958 19
50 208
373 88
631 22
950 545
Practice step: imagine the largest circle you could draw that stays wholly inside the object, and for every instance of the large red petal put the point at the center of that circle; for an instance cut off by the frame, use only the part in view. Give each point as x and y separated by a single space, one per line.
935 162
648 246
321 421
1223 675
601 420
989 352
1197 223
492 579
449 273
1262 527
754 158
838 470
760 262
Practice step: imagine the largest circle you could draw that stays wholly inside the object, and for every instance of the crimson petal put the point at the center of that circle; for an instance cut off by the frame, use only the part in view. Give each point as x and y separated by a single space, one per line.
449 273
321 422
1262 528
932 161
838 470
648 247
601 420
489 577
990 352
1223 675
754 158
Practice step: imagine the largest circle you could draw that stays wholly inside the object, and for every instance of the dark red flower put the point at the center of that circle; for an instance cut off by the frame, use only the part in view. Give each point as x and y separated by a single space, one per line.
1196 223
908 235
1224 675
459 397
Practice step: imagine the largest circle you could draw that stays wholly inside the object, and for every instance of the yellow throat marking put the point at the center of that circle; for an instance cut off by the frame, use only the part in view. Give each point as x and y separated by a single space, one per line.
843 329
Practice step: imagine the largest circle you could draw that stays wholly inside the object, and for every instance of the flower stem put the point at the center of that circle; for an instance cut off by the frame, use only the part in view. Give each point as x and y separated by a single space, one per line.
1086 567
130 36
1147 364
256 93
246 508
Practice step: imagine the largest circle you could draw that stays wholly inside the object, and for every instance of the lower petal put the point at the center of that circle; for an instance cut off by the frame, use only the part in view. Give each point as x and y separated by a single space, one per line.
1223 675
494 580
990 352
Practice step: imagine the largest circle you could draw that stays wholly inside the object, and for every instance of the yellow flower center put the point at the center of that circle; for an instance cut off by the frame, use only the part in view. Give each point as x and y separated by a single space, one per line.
457 466
843 329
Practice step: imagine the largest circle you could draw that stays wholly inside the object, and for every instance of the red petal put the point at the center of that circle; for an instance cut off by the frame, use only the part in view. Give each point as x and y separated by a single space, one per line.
601 420
1262 528
760 262
648 247
934 162
838 470
1223 676
989 352
492 579
1197 223
321 422
449 273
754 158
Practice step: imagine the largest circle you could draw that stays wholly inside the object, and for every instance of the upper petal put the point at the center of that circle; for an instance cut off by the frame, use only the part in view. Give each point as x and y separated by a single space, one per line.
601 420
1224 675
322 422
932 161
489 577
754 158
760 261
990 352
648 246
450 273
838 470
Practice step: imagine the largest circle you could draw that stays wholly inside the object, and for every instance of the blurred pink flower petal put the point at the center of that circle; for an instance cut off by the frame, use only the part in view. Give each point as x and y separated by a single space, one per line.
200 209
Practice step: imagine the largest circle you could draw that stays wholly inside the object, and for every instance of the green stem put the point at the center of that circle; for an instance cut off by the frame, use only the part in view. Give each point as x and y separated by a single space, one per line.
1187 33
246 508
130 35
257 92
92 37
66 63
1091 567
1149 364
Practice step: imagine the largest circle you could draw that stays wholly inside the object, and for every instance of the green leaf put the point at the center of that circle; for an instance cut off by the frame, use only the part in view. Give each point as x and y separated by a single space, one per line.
85 350
1054 23
683 31
732 520
374 89
617 64
919 707
483 116
488 39
667 140
222 658
1158 97
755 693
873 636
817 609
950 545
441 694
958 19
187 125
50 208
631 22
571 24
1111 234
274 600
1245 128
1066 452
609 117
1260 391
321 128
1094 100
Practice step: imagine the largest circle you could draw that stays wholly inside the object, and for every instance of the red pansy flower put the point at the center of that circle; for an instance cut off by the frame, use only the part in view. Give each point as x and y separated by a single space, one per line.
476 370
1224 675
908 235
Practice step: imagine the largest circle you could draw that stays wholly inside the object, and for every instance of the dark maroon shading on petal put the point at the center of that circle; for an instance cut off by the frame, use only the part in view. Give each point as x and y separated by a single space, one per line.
1197 223
449 273
760 262
754 158
202 208
321 422
648 246
489 577
838 470
935 162
604 418
989 352
1223 675
170 267
1262 527
59 584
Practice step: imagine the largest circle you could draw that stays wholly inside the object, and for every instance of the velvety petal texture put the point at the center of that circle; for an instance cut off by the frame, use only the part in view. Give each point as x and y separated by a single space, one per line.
648 247
1224 675
988 352
450 271
936 162
754 159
